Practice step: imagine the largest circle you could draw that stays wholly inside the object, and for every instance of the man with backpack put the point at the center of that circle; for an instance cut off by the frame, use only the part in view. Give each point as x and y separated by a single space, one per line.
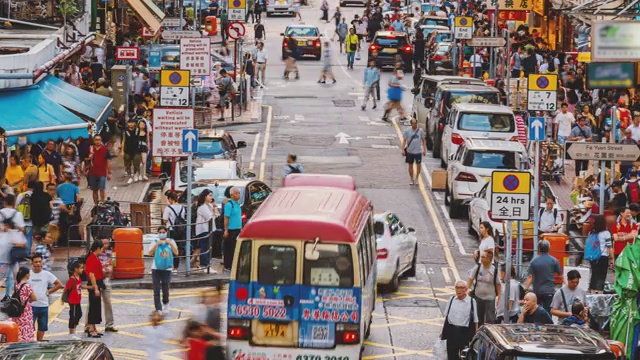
174 217
549 220
24 207
163 250
226 88
564 297
292 166
633 187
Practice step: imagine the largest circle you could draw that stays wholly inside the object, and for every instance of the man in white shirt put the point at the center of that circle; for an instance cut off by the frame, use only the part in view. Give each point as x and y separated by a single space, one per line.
476 61
261 62
564 121
549 220
635 127
44 284
461 321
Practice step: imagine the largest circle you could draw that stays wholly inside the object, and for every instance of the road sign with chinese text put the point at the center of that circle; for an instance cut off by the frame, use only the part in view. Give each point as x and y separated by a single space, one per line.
195 55
167 130
463 28
541 92
510 195
237 10
510 5
127 53
487 41
602 151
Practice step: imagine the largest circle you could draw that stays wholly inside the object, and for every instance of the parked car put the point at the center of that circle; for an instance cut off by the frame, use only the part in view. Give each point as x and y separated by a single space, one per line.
252 193
308 39
219 144
471 167
344 3
531 342
439 60
434 20
214 169
280 7
68 350
391 44
476 120
397 250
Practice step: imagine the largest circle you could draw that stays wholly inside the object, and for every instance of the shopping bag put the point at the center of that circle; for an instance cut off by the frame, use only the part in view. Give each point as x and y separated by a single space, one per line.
440 350
358 55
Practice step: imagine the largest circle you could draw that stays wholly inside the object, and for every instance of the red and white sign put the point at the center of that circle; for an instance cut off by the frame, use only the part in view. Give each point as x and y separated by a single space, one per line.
146 33
236 30
195 55
127 53
168 124
507 15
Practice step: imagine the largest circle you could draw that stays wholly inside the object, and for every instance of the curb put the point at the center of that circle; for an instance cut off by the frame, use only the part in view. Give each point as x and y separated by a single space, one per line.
255 118
176 283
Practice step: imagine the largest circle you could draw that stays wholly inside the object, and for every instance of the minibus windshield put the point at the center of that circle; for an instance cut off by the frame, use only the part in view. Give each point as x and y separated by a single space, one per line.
332 268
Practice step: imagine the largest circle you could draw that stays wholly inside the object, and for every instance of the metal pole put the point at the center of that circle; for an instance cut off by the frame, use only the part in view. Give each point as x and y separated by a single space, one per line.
235 66
603 170
189 201
492 55
536 201
180 4
507 279
195 15
507 60
612 137
173 171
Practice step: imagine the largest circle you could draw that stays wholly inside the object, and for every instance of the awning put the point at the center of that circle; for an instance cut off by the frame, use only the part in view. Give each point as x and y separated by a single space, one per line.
27 112
148 12
95 107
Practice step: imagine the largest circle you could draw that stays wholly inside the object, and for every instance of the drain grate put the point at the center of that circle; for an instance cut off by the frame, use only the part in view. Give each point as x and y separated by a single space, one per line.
344 103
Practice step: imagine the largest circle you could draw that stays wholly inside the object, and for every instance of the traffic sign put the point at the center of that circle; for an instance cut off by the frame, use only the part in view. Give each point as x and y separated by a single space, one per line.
189 141
237 10
537 129
172 22
542 100
195 55
236 30
174 78
602 151
147 33
174 96
463 27
544 82
511 195
179 34
168 124
487 42
155 62
127 53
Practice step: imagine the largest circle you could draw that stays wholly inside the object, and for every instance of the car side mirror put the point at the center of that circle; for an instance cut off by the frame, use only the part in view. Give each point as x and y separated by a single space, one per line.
414 91
452 157
249 174
411 230
281 34
241 145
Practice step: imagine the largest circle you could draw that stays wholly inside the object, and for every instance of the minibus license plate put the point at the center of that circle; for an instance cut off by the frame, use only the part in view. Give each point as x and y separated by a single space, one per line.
274 330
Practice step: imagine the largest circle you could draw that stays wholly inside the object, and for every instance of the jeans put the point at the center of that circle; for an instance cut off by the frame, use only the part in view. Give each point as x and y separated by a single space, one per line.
160 278
28 234
599 273
486 311
350 58
204 244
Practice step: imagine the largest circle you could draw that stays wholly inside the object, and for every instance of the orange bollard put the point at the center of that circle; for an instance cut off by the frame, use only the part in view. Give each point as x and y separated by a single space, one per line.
129 262
156 165
558 250
9 331
211 25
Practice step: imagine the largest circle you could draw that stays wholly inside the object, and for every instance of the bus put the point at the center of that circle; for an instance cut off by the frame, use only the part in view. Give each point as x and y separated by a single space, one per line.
303 280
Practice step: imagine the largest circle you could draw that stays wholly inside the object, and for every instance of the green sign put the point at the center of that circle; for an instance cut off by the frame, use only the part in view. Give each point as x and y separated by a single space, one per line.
611 75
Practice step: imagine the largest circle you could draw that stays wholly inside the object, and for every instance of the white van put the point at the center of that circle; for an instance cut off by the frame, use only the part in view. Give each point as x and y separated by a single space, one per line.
465 121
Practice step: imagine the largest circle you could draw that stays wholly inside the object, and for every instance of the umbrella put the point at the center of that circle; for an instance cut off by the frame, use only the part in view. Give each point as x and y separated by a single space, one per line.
624 315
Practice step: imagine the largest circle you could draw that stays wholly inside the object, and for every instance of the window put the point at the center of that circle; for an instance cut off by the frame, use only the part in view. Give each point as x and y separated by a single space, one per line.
302 31
366 260
363 266
468 97
243 269
231 142
333 267
391 41
276 265
258 192
490 159
211 147
487 122
459 154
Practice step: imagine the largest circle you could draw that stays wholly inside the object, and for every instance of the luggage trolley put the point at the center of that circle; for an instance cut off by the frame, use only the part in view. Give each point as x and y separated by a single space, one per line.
552 158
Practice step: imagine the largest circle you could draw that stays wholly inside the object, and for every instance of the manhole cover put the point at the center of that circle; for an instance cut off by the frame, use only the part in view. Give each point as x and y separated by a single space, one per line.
344 103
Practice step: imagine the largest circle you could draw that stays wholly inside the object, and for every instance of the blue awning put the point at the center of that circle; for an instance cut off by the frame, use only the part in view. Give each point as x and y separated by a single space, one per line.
27 112
95 107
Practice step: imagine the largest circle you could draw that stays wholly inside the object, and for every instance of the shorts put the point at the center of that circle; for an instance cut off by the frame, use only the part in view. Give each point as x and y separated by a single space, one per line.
562 140
413 158
54 230
326 68
97 182
41 317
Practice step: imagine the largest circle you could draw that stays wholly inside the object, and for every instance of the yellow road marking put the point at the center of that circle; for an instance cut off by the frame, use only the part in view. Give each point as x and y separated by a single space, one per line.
55 309
382 356
397 348
265 142
434 216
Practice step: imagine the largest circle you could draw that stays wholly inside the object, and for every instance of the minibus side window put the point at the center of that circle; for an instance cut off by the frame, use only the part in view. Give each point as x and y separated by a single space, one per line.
277 265
371 243
364 239
362 263
243 272
333 266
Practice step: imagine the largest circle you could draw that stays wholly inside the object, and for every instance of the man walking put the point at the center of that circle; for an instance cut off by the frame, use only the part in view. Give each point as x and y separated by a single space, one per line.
564 298
44 284
414 147
460 321
232 226
541 274
352 46
371 79
100 170
226 88
326 65
261 61
581 133
292 166
130 150
53 158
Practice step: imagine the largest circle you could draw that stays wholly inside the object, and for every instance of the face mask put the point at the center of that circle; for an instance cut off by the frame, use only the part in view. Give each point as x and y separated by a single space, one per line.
162 236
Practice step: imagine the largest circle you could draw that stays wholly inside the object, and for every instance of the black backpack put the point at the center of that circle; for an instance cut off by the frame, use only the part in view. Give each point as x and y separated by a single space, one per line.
295 169
179 225
12 306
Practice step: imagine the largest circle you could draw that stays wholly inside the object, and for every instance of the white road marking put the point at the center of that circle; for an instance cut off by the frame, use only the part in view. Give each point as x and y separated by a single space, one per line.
356 94
377 123
379 146
299 117
382 137
364 118
445 275
437 195
453 230
430 271
281 117
265 145
254 151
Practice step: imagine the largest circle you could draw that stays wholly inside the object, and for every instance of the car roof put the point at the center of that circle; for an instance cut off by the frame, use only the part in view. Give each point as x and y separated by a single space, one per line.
223 182
549 339
448 78
211 133
302 26
483 108
435 17
431 26
468 87
211 163
391 33
492 144
50 350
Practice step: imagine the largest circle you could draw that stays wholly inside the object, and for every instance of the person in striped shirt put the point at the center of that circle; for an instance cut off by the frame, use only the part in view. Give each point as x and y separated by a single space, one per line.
56 204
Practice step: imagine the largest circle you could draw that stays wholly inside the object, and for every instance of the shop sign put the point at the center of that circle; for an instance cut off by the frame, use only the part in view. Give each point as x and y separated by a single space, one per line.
538 7
510 5
610 75
615 40
510 15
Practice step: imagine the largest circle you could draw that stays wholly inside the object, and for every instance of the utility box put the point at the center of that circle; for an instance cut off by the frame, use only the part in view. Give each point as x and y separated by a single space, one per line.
120 82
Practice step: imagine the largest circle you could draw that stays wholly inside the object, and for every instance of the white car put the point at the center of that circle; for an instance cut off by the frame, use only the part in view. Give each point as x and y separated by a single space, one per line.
471 167
466 120
397 250
213 169
280 7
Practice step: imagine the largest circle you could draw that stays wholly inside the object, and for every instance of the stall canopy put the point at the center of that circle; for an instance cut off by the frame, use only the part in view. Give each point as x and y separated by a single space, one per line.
150 14
93 107
26 112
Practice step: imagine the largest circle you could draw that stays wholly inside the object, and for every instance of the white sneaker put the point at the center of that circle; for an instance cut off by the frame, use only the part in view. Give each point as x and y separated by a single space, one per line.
161 313
136 177
145 177
130 181
74 337
166 309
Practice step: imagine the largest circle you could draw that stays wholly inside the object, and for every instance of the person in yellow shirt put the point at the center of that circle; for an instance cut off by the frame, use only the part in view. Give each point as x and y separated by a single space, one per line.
353 46
13 175
46 174
150 102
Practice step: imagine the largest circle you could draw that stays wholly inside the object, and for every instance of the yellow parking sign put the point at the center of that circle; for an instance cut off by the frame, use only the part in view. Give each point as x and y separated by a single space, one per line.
546 82
237 4
174 78
511 182
463 21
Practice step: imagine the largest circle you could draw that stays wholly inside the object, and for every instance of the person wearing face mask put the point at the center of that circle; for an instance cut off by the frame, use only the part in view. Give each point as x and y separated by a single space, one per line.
162 250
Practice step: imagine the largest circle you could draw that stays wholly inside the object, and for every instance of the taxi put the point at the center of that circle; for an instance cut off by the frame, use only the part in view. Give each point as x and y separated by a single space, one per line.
307 38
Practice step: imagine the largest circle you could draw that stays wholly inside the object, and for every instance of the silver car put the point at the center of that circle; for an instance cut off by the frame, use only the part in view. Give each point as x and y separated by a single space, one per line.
280 7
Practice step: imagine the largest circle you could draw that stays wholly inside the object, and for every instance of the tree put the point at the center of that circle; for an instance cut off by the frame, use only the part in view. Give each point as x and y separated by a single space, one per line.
67 8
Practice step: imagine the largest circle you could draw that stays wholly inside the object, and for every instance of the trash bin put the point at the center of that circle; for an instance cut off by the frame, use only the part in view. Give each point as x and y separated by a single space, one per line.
558 250
128 256
211 25
8 332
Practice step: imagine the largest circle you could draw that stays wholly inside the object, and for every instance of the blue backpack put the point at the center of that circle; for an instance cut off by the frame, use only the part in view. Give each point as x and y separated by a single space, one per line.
163 263
592 250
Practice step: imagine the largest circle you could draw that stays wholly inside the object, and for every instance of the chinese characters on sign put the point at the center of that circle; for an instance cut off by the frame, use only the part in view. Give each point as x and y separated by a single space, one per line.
463 28
510 195
609 152
167 130
195 55
542 100
510 5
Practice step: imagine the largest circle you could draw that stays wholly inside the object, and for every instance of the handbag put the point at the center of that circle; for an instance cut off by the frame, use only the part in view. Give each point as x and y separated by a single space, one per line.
440 350
65 294
358 56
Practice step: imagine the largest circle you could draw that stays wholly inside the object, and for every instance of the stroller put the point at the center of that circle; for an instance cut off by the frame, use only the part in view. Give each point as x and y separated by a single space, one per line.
105 217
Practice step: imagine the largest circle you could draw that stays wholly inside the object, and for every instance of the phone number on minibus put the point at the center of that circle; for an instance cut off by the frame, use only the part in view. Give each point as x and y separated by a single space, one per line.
266 312
318 357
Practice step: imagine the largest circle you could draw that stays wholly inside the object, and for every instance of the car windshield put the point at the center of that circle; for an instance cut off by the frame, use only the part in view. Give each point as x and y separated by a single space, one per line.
490 159
200 173
471 97
486 122
439 22
442 48
443 36
210 147
302 31
391 41
427 31
218 192
171 56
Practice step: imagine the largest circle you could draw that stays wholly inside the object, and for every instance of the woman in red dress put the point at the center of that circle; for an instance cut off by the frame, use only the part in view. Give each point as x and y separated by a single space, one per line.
27 296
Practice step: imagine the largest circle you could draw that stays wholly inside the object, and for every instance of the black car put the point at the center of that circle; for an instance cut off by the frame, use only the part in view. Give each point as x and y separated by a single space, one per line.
307 40
252 193
392 47
439 60
56 350
530 342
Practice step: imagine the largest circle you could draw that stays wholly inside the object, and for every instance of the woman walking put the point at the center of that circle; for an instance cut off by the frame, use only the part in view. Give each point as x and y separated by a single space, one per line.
163 251
599 267
46 173
395 96
325 11
207 212
27 296
143 145
95 276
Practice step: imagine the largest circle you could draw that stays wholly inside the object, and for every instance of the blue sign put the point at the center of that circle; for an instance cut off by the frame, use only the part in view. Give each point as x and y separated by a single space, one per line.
154 60
189 141
536 129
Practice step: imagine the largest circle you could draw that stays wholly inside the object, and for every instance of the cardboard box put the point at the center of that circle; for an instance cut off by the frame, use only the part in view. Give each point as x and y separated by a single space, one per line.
438 179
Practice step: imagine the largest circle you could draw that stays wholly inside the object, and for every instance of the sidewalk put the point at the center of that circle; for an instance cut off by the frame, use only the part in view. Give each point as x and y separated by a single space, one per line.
207 118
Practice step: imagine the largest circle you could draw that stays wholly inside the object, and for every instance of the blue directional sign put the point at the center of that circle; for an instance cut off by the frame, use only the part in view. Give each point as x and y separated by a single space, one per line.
536 129
189 141
154 60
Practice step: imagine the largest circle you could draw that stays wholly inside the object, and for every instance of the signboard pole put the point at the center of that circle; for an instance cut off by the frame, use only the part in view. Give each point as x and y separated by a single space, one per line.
127 91
603 170
536 202
505 33
612 137
508 245
493 55
173 171
189 202
181 12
